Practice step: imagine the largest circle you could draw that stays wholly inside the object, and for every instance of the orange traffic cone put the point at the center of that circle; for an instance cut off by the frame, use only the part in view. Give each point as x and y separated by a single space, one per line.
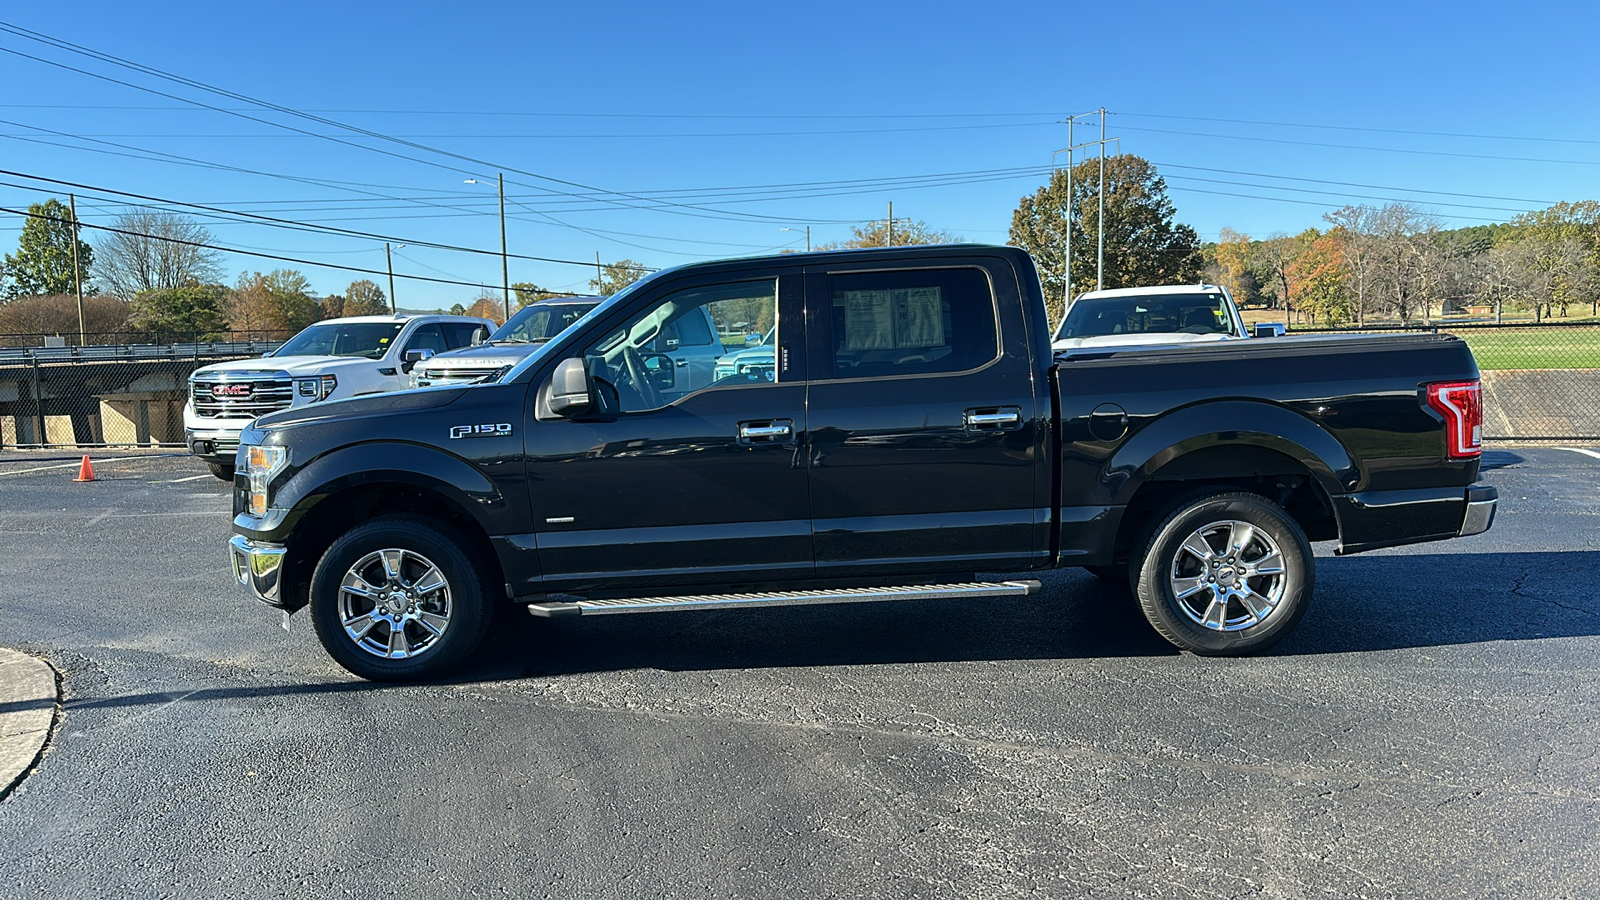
85 471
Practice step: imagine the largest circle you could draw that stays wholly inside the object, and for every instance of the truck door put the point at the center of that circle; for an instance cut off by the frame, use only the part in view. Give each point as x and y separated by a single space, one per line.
927 429
666 487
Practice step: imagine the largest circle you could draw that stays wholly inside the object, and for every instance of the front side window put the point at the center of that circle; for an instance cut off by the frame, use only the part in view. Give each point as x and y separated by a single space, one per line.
360 339
428 337
912 323
672 349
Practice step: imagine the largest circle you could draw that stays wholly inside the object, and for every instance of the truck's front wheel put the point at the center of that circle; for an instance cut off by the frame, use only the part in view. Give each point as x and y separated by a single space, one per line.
398 599
1225 574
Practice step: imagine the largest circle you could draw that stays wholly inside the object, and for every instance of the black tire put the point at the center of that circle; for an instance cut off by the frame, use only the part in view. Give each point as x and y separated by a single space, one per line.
1215 619
439 649
223 471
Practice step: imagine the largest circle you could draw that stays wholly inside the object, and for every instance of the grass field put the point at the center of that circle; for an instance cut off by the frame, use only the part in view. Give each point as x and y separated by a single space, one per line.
1534 347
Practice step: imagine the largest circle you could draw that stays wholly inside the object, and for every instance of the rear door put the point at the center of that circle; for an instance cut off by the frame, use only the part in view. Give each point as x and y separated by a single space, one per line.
677 481
926 426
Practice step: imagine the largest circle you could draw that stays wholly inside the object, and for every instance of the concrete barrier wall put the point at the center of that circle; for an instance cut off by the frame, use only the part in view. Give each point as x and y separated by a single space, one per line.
1541 403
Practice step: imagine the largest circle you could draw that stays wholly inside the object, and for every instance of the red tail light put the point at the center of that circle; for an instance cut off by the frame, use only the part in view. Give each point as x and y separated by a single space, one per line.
1461 404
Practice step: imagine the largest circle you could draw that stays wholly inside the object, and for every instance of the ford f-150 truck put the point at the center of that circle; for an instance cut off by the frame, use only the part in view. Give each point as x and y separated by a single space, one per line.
332 359
917 431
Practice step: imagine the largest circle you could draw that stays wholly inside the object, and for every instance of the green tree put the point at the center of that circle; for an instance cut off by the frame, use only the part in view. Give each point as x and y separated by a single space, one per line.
42 264
1143 246
616 276
458 310
365 298
527 293
906 233
195 308
279 301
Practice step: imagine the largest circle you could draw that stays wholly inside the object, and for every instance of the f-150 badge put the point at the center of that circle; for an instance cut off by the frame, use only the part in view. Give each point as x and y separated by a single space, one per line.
465 431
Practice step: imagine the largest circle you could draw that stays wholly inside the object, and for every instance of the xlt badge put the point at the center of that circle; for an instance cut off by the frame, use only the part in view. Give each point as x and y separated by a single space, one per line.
463 431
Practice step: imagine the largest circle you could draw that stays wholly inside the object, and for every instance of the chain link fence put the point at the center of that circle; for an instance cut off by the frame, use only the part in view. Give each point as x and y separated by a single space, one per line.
127 389
110 389
1540 382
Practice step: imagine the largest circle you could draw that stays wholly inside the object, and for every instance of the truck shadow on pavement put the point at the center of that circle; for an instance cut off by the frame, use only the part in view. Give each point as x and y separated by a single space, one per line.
1363 603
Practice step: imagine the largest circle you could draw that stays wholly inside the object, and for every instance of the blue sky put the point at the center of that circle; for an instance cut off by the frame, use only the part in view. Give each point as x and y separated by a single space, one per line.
728 106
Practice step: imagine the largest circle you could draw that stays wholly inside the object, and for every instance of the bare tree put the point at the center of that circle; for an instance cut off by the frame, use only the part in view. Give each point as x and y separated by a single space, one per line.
153 249
1352 226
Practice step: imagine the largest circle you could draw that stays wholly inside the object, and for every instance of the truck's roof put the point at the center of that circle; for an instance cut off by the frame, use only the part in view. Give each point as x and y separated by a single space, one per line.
396 320
1148 291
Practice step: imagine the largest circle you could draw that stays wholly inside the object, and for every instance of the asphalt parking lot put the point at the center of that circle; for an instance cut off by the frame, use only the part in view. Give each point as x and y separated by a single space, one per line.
1430 730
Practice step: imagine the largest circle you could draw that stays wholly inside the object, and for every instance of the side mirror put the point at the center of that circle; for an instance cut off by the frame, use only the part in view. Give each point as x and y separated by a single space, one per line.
415 356
571 391
1269 329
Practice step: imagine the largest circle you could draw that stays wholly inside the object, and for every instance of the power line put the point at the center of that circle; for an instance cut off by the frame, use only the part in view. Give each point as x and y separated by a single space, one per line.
242 252
1243 137
285 223
676 208
1375 187
1448 134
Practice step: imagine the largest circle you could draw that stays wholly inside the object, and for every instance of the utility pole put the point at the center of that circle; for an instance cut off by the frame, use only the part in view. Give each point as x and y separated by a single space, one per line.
891 223
1100 254
1066 298
599 273
390 261
808 238
505 267
77 270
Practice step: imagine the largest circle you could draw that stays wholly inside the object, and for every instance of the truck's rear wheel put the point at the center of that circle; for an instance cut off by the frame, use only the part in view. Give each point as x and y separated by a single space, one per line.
223 471
1225 574
398 599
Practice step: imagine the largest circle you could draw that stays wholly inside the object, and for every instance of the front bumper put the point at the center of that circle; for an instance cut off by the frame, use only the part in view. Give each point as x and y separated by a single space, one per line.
257 566
218 445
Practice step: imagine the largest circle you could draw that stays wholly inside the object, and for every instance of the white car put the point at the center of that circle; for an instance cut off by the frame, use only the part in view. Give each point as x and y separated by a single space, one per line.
331 360
1167 314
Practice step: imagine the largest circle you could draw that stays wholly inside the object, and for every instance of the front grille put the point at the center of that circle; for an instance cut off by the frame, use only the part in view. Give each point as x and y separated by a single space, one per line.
431 377
266 395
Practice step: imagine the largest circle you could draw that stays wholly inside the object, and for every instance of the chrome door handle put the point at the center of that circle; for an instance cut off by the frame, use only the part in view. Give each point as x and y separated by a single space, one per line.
766 432
993 419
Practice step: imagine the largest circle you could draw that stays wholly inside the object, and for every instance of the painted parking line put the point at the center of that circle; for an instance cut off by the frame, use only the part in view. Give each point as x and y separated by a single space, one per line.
1583 450
75 465
191 478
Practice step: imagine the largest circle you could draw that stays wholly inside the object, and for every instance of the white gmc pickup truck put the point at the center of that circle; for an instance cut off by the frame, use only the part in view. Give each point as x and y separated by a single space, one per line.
333 359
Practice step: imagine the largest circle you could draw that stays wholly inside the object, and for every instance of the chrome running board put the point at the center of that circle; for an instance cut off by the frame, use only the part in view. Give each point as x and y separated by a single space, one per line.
550 609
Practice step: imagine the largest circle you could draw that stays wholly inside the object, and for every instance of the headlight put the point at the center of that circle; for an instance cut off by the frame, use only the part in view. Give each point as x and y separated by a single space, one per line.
261 463
314 389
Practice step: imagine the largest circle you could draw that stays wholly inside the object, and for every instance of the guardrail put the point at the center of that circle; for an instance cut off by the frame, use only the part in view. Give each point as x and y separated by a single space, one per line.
108 394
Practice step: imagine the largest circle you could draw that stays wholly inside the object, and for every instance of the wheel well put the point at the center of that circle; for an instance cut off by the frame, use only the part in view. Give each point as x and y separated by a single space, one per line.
1280 478
342 510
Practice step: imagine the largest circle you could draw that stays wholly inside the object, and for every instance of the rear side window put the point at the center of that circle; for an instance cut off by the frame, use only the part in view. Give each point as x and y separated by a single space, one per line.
912 323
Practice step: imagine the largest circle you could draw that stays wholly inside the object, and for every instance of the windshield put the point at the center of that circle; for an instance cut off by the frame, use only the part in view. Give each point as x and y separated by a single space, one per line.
1146 314
368 339
541 322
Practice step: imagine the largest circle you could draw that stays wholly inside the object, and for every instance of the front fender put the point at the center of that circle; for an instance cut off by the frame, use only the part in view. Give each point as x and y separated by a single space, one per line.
385 462
1230 423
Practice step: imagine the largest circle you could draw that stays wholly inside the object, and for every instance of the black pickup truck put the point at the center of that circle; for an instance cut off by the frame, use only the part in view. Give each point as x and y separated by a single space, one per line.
914 431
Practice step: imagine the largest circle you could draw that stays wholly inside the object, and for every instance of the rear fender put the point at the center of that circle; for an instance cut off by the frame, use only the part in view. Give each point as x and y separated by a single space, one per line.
1226 423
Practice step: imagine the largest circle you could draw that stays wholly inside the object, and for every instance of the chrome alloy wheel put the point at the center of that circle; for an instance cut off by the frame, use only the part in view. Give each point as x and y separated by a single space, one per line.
1228 576
394 604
